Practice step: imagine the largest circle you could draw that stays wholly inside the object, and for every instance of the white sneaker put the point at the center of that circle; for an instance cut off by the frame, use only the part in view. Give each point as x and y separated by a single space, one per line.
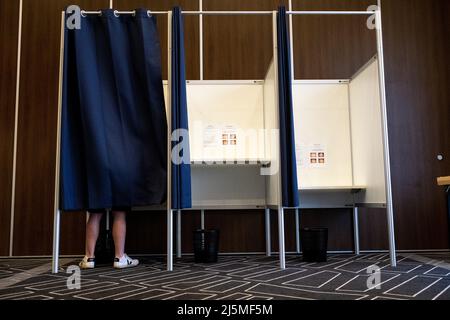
125 262
87 263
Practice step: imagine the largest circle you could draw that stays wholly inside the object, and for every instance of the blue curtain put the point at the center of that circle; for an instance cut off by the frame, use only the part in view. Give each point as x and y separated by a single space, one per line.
181 173
288 160
114 128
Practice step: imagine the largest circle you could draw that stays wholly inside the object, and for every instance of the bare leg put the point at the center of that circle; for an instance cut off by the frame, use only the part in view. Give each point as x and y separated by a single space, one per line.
119 232
92 230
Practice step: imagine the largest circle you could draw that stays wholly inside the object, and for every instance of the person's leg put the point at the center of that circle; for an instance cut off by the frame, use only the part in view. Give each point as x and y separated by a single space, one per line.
92 231
122 260
119 232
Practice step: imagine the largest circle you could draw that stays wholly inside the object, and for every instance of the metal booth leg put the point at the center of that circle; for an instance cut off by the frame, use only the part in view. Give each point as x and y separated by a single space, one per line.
267 232
356 230
169 240
56 236
202 219
179 234
282 250
297 230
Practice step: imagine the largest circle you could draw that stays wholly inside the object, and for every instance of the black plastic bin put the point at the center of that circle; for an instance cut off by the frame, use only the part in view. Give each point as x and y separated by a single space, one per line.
206 245
314 243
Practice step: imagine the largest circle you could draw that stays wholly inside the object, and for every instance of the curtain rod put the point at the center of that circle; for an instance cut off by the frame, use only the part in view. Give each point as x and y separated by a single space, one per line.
271 12
117 13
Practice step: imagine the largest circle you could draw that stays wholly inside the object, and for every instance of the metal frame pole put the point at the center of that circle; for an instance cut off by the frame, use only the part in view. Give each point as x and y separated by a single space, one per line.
56 240
267 232
297 230
291 40
108 215
57 211
387 162
281 240
330 12
324 12
169 143
16 126
356 230
200 21
230 13
202 219
179 234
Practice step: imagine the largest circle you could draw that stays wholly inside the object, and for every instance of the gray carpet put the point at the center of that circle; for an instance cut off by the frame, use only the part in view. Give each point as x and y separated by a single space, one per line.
343 277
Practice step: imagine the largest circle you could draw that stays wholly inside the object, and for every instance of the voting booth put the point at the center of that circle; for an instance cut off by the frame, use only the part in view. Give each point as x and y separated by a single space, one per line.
339 143
341 136
237 136
234 135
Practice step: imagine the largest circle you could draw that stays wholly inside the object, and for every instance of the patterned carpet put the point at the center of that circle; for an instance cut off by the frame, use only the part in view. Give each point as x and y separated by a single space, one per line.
343 277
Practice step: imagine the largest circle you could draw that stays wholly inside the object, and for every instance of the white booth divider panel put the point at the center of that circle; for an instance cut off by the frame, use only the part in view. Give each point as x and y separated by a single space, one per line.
322 135
367 138
272 141
226 121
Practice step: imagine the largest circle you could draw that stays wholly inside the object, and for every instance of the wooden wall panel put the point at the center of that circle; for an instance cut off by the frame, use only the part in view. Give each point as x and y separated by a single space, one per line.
331 47
190 222
33 225
338 222
191 30
240 231
238 47
9 22
373 229
416 47
418 77
146 232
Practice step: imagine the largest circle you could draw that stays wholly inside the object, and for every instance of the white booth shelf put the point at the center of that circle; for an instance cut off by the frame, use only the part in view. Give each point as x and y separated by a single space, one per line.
352 189
220 162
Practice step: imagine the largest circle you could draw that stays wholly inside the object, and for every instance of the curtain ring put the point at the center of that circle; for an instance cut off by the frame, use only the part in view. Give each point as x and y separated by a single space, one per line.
116 14
149 13
83 13
134 13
